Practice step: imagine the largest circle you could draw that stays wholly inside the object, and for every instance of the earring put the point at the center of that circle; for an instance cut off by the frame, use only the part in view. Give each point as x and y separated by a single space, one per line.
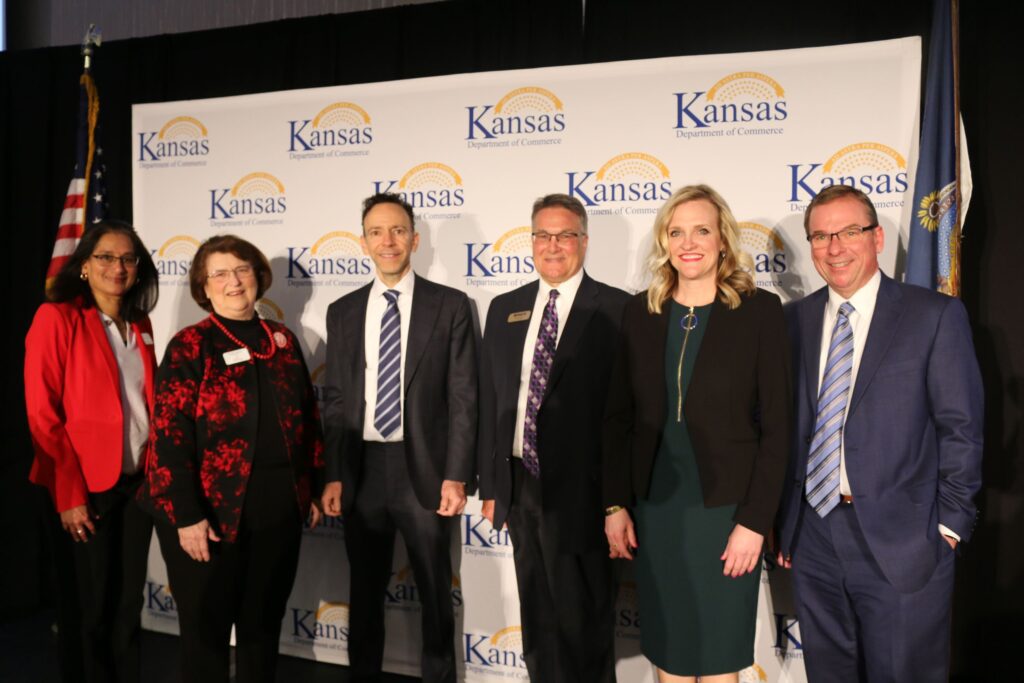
721 254
82 276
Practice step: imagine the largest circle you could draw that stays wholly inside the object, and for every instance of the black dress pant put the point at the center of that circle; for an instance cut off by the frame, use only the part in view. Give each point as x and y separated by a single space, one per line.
566 599
385 502
100 589
245 583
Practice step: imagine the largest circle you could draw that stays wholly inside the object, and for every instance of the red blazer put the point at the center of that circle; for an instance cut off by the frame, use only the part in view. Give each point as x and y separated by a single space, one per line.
73 400
204 428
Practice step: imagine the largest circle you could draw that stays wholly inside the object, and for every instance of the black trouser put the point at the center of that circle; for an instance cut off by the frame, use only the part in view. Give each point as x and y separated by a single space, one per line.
245 583
100 589
385 501
566 599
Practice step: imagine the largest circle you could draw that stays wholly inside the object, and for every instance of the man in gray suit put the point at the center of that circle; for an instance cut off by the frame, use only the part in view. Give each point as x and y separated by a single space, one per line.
400 419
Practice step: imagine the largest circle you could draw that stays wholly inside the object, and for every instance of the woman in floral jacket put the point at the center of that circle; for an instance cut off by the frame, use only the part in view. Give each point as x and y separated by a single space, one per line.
236 442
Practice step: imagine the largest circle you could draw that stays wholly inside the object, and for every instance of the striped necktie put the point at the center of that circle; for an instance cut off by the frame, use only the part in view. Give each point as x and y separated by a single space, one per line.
543 355
387 416
822 485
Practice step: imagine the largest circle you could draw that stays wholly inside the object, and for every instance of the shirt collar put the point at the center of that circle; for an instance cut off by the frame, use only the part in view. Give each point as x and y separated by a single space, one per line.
565 289
863 299
404 287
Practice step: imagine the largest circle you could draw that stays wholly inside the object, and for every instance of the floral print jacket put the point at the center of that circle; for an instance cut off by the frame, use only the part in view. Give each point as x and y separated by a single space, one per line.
204 427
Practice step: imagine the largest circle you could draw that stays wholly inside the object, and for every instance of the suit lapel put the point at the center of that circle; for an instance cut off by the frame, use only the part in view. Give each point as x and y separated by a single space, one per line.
884 321
583 307
511 336
426 305
353 329
96 329
811 322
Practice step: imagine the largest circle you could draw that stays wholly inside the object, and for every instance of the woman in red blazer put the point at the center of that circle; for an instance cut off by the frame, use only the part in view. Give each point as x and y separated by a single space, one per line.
89 367
236 441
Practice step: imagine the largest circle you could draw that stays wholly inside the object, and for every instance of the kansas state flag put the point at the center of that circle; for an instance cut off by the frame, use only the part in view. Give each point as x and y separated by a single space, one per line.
931 256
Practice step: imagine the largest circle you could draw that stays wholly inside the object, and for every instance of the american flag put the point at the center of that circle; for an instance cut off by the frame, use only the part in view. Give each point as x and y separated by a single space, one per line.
85 202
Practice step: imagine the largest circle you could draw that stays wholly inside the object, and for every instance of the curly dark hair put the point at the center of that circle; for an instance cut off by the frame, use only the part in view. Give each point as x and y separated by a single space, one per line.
138 301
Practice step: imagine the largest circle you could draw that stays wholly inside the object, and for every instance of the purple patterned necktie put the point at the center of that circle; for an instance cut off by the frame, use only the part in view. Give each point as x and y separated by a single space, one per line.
543 354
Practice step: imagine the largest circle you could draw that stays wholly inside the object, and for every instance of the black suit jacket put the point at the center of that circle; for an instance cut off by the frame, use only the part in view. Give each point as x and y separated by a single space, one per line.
737 407
568 424
440 391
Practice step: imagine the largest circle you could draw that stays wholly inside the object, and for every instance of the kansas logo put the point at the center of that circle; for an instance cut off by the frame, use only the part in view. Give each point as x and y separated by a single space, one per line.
753 674
480 538
328 624
429 185
741 97
183 137
871 167
787 636
629 177
523 111
159 600
766 249
510 254
337 253
627 616
256 194
342 124
174 258
402 594
501 651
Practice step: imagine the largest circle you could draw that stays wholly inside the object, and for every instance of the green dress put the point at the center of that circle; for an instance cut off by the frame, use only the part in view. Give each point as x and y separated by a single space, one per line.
694 621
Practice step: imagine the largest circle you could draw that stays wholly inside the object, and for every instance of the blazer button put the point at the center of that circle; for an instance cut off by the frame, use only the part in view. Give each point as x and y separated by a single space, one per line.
808 440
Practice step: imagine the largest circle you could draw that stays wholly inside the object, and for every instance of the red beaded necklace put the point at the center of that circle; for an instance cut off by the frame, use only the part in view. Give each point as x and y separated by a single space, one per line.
254 354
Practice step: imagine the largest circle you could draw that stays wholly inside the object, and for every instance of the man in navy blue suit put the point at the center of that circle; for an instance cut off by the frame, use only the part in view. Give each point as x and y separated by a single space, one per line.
886 458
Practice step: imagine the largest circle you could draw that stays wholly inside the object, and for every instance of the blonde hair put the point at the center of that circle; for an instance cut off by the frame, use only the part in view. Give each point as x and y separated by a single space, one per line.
733 278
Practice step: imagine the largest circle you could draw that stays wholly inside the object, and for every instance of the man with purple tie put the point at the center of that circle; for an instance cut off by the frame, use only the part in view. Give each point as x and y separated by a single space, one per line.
886 458
545 366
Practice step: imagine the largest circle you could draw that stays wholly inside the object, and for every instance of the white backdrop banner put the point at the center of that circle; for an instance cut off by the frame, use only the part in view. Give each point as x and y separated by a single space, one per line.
288 171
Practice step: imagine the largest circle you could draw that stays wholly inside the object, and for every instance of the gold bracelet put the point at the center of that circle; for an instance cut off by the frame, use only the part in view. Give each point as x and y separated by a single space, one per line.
612 510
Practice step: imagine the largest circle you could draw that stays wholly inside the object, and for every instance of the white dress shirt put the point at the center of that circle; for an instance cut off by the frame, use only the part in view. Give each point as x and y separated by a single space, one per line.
375 308
863 301
563 304
131 373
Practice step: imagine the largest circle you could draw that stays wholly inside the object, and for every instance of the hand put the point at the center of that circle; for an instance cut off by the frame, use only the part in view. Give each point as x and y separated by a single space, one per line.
453 498
780 560
487 510
194 539
618 527
742 551
78 522
951 541
314 514
330 499
785 563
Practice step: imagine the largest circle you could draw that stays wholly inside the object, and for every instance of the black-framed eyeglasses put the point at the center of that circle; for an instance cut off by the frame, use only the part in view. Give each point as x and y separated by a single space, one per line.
560 237
821 240
128 261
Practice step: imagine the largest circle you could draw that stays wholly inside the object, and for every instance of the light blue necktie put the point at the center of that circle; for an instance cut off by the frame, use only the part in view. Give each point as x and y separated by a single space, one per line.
388 413
822 485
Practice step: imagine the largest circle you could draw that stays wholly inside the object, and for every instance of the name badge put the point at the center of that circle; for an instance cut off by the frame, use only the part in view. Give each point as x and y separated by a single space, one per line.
147 339
237 356
519 317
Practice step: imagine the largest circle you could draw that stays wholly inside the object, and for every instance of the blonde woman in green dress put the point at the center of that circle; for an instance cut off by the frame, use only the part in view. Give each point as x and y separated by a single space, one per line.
695 441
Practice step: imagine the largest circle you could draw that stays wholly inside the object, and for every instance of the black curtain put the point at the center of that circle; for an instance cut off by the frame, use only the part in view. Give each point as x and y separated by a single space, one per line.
38 100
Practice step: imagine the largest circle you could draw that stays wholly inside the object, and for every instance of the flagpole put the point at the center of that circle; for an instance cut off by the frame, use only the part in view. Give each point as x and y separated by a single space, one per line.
957 236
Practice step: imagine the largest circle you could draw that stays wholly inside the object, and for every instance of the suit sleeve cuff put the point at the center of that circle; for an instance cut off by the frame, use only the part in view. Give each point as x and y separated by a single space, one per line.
946 531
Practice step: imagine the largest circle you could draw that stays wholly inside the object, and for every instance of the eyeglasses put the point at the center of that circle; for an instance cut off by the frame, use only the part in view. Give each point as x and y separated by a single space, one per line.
560 237
397 233
821 240
240 272
128 261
